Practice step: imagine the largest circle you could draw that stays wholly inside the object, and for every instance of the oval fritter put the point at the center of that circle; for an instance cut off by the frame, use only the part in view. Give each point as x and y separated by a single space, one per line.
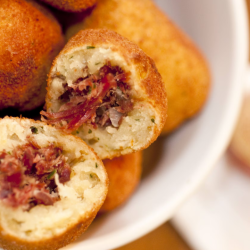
124 174
30 38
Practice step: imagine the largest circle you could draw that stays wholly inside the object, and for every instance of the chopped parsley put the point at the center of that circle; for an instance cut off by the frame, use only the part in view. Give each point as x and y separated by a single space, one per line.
96 165
91 176
90 131
9 152
153 120
34 130
90 47
97 63
77 132
90 89
138 120
51 174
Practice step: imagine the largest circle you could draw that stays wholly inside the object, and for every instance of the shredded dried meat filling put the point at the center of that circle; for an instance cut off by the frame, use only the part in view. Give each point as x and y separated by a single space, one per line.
27 175
100 100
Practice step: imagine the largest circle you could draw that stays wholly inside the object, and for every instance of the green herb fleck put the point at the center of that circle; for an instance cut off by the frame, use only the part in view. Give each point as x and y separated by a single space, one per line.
96 165
91 176
98 139
9 152
138 120
77 132
153 120
51 174
97 63
90 131
90 89
90 47
71 57
34 130
94 86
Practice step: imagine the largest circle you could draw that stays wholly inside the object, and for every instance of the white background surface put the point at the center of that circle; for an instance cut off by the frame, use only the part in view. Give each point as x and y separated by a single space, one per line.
218 216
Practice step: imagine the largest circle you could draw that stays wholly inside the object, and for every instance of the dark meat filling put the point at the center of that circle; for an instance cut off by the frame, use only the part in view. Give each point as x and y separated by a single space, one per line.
27 175
100 100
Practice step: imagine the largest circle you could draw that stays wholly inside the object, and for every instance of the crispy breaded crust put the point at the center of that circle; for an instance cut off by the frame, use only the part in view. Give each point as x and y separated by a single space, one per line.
11 242
30 38
148 79
71 5
181 65
124 175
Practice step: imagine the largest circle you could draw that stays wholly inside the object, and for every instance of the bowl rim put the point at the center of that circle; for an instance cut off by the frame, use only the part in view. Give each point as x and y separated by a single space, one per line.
239 15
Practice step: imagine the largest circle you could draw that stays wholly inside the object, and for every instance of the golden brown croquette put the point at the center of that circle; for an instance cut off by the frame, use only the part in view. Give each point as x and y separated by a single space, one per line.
124 174
106 90
30 38
78 189
71 5
181 65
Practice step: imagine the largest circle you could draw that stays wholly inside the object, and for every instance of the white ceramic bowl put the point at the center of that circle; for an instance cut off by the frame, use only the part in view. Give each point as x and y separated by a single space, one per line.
182 161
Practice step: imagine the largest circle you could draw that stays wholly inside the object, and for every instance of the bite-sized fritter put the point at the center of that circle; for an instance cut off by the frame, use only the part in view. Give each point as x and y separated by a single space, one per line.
51 186
106 90
71 5
240 143
30 38
124 174
181 65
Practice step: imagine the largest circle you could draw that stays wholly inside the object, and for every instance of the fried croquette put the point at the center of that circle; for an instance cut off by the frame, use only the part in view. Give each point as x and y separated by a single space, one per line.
51 186
106 90
71 5
181 65
30 38
124 174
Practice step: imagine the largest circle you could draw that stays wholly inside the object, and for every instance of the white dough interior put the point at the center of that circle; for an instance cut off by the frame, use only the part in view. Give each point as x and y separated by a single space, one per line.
79 196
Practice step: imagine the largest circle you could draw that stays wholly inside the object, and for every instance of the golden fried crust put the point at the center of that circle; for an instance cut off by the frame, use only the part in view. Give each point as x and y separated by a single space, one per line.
150 81
182 67
13 243
71 5
72 233
30 38
124 175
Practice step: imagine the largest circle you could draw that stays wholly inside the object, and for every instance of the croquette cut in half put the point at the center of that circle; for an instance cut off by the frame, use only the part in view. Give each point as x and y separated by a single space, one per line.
106 90
51 186
180 63
71 5
30 38
124 175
